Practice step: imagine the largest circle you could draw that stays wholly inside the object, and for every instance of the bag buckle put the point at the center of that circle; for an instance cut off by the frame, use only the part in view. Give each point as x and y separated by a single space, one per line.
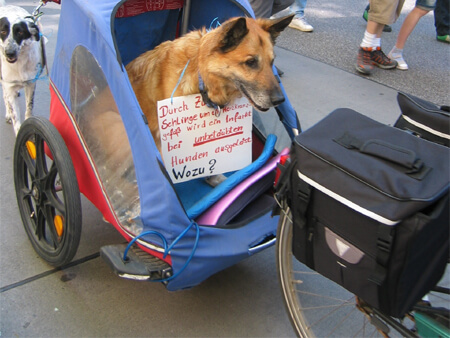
281 185
384 245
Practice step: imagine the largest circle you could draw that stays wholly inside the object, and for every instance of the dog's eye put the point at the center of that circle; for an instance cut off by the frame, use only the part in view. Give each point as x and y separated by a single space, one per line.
252 63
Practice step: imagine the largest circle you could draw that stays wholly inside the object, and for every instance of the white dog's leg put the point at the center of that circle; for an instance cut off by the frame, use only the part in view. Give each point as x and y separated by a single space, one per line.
8 106
29 98
15 115
16 124
11 98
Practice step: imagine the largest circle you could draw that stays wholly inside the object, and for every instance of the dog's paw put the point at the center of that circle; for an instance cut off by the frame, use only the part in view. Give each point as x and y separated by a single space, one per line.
16 127
215 180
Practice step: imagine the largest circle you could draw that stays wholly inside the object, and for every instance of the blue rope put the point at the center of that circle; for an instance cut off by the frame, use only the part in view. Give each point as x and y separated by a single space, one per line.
139 236
216 21
167 249
39 75
179 80
194 249
40 67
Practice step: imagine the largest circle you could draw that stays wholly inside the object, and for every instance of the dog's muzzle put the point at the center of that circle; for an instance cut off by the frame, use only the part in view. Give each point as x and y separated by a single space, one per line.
277 97
11 59
11 55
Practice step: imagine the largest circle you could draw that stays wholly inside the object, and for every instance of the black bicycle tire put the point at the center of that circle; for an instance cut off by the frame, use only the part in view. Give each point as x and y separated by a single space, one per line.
283 253
64 251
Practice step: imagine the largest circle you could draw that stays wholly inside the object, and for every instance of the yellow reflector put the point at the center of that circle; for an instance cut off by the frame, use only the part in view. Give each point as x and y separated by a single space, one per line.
59 224
31 149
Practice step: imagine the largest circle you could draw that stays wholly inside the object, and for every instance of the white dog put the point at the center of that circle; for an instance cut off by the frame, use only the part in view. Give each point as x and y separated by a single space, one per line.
21 60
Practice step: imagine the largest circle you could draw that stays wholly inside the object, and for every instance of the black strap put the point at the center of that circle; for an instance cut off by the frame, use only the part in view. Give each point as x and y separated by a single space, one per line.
285 193
291 191
205 97
303 195
384 247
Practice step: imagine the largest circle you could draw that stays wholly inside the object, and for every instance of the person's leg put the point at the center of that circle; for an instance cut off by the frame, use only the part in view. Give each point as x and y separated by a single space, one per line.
411 20
262 8
279 5
370 53
365 16
375 28
382 12
408 26
442 20
299 22
298 7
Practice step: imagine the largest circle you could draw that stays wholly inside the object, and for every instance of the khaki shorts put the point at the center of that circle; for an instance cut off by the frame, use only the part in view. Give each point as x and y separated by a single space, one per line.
385 12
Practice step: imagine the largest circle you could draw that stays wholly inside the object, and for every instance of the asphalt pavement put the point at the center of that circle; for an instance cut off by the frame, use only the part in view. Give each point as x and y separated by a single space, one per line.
88 300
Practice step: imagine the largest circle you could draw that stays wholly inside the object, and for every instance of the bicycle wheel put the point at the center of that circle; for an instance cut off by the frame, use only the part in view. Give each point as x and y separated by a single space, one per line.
318 307
47 191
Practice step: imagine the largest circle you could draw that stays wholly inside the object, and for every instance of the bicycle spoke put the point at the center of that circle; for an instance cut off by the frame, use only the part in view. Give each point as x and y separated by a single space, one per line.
40 225
30 164
41 162
319 307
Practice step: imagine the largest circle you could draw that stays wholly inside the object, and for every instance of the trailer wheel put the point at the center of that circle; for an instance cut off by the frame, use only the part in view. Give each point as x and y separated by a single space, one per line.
47 191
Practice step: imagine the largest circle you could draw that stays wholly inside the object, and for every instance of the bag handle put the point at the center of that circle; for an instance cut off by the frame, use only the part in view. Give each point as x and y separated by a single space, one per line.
407 158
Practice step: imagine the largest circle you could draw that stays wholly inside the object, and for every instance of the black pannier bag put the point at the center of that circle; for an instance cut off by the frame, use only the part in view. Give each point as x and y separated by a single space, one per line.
424 119
370 206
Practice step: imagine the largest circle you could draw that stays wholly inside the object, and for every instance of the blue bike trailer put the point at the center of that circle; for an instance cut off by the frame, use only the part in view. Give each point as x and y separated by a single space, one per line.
90 91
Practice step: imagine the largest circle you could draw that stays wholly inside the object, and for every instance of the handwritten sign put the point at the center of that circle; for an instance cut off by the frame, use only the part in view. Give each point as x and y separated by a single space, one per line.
198 141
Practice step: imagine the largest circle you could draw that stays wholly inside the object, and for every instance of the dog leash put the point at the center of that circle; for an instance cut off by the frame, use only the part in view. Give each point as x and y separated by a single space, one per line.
179 80
43 58
37 11
36 15
205 97
201 84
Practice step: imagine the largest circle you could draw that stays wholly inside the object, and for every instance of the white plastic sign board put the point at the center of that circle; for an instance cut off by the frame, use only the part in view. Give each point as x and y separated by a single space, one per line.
198 141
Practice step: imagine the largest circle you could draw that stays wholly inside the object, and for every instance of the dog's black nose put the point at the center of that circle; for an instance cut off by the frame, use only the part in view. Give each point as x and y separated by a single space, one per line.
277 99
10 54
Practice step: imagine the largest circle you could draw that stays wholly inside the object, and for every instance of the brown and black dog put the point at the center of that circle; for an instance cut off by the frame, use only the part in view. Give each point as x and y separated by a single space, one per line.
232 60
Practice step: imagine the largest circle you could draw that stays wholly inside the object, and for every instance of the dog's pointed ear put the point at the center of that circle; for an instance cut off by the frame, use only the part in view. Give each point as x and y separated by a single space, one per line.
276 26
233 33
